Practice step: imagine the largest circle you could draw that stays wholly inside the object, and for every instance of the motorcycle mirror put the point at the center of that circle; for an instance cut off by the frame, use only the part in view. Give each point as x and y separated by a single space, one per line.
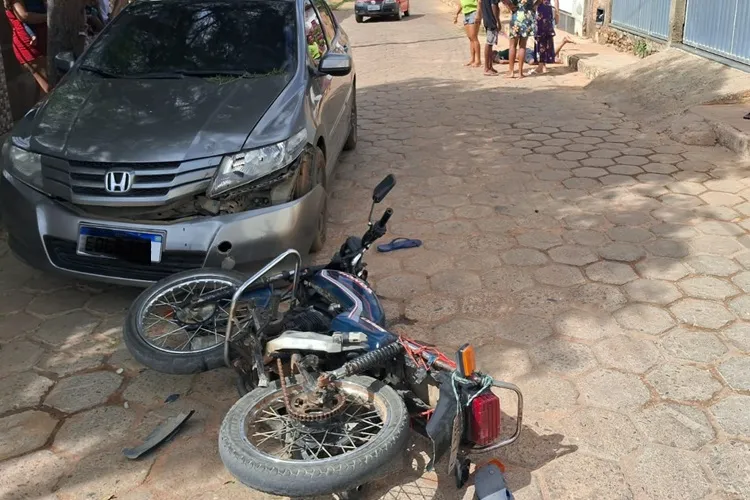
382 189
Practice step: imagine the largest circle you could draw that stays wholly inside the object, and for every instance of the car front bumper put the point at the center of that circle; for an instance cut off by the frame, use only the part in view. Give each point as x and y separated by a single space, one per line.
44 233
385 10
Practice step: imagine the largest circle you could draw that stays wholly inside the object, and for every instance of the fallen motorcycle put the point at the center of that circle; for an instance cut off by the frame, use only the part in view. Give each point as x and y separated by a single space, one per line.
328 393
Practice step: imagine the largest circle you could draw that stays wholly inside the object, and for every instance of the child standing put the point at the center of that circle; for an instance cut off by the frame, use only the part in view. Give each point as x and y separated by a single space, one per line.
491 15
37 7
522 26
472 18
544 46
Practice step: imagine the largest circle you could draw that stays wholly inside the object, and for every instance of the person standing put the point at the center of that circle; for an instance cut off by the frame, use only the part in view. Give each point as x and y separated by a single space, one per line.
547 17
522 26
31 54
491 16
472 18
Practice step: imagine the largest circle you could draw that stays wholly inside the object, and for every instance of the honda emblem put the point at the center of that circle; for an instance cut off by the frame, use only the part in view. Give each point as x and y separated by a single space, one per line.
118 181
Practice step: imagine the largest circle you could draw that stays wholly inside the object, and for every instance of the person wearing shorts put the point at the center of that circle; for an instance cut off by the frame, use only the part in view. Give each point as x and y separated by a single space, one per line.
472 18
491 15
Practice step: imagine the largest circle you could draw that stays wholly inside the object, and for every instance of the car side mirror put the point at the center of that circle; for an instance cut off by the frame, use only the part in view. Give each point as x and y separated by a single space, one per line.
382 189
64 61
335 64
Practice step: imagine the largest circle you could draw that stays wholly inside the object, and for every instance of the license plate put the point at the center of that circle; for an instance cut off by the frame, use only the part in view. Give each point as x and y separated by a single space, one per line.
373 7
456 435
135 246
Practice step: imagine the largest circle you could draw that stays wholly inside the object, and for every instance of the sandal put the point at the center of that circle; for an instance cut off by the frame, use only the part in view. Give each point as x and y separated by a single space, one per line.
398 244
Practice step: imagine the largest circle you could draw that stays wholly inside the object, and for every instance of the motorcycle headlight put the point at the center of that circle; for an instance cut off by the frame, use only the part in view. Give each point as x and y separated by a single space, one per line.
248 166
25 165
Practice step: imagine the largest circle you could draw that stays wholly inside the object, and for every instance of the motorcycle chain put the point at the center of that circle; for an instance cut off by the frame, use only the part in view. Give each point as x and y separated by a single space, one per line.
304 417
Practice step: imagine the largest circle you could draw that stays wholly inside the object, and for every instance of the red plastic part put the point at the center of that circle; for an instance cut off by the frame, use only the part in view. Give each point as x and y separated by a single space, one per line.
484 421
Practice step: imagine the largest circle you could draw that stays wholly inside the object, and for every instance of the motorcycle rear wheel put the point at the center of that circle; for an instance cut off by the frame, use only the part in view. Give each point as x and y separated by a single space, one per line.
192 341
267 450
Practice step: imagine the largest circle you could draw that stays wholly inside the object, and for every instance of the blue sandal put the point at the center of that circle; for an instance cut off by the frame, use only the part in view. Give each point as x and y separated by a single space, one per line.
398 244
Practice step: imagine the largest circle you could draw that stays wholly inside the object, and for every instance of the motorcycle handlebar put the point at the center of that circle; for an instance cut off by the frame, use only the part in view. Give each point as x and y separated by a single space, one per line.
385 218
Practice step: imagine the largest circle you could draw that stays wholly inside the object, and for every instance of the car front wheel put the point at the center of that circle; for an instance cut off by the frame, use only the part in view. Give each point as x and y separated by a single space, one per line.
359 18
351 140
320 172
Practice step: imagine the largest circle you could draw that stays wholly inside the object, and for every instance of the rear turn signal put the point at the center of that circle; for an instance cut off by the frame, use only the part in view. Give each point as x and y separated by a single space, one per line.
484 421
466 361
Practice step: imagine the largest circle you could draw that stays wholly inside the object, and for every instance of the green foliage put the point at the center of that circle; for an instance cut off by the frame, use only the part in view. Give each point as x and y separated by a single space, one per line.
641 48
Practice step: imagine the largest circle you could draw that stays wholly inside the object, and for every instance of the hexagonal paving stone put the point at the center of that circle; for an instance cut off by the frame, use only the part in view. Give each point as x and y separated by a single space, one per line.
589 172
22 390
713 265
602 432
586 237
654 291
664 472
662 268
563 356
733 415
701 313
628 218
571 155
623 252
707 287
726 460
659 168
455 282
629 234
401 286
674 231
719 198
742 280
617 180
431 307
644 318
572 255
507 280
32 476
613 273
424 261
541 240
93 474
675 425
581 183
668 248
67 330
736 372
739 335
716 245
597 162
719 213
586 325
14 302
579 476
719 228
18 356
503 362
632 160
559 275
741 306
626 353
693 345
625 170
596 390
24 432
524 257
94 430
684 187
584 221
151 387
58 303
544 392
683 383
606 297
83 391
522 328
14 326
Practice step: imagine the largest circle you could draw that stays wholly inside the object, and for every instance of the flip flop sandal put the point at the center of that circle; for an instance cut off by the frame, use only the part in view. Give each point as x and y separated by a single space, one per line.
747 116
398 244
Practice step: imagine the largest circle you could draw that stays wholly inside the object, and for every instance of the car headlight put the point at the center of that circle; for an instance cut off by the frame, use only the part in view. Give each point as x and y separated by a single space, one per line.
389 1
248 166
25 165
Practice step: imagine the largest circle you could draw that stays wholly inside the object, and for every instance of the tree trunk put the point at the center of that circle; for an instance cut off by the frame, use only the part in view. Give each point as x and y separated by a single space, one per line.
65 21
6 116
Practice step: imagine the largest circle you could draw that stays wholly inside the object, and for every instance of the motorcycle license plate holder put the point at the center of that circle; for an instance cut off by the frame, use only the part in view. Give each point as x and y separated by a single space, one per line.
446 426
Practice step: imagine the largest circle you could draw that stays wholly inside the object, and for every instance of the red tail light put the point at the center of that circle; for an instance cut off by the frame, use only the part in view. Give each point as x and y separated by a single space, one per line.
484 421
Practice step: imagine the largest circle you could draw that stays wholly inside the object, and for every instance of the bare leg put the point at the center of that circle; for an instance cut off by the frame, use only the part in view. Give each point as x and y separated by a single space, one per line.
559 48
468 28
476 48
488 69
38 69
521 55
512 57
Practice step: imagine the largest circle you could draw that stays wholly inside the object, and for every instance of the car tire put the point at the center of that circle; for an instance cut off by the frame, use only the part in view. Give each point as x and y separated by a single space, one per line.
359 19
351 140
319 165
399 15
406 13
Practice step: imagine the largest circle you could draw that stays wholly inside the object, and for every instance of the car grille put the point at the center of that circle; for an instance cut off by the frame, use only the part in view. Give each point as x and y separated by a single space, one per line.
153 183
63 255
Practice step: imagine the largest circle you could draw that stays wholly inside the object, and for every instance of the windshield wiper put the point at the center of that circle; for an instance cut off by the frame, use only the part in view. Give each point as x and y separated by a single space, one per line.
163 75
207 73
98 71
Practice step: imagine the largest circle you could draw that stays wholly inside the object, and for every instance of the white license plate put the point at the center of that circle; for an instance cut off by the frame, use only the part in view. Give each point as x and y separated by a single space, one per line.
373 7
136 246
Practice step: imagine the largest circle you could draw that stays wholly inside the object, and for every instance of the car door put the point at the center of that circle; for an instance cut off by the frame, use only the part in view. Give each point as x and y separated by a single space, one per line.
321 86
341 86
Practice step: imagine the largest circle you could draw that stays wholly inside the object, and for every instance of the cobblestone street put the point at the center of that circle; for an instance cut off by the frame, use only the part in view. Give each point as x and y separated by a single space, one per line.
604 270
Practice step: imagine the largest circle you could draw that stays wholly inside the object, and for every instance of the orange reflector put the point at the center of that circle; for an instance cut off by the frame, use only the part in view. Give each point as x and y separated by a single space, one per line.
467 363
499 464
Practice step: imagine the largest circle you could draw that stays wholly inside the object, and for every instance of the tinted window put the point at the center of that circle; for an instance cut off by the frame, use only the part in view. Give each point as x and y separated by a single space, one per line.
329 23
153 37
316 41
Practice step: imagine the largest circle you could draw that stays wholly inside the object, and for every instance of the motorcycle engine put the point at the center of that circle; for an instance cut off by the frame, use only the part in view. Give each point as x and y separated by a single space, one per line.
308 319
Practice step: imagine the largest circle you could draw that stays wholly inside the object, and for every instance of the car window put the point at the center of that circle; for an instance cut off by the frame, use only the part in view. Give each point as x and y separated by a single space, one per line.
255 37
316 40
326 17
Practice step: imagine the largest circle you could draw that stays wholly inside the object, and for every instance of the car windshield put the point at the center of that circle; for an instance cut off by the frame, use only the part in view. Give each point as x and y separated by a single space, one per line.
197 38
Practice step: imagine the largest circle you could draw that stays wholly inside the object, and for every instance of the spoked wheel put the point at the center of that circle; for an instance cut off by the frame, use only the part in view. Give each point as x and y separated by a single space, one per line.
164 332
335 449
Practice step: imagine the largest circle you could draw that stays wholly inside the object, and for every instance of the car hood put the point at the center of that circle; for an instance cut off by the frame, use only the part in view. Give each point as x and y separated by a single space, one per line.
95 119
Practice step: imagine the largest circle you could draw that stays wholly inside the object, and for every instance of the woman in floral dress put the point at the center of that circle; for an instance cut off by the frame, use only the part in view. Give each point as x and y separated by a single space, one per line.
522 26
546 19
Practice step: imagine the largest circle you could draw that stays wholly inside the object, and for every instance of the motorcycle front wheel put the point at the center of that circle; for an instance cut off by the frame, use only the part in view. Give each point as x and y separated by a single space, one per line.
169 337
268 450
